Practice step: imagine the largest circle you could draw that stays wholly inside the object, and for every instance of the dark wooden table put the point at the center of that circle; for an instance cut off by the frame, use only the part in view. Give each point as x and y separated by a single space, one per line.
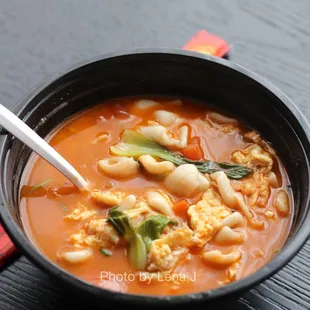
37 37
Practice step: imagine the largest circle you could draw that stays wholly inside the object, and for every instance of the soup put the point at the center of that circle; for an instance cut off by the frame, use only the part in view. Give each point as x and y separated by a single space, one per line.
182 198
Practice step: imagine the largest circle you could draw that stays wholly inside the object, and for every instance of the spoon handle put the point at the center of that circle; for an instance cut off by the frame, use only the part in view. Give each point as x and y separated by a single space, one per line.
25 134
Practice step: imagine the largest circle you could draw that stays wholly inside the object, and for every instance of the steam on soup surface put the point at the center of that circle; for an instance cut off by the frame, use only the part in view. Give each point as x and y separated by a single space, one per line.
182 199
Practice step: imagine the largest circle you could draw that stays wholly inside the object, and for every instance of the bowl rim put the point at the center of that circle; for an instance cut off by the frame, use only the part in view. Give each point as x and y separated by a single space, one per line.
38 258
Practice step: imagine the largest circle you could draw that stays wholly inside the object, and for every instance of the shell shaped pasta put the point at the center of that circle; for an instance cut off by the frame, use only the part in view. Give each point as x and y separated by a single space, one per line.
244 208
128 202
273 180
204 183
102 137
227 236
282 203
221 119
155 167
233 220
119 167
157 133
144 104
216 257
165 118
185 180
161 135
226 191
183 135
77 257
159 202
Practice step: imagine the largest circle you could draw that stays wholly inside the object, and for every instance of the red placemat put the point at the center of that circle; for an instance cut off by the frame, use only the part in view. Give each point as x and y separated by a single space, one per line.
207 43
7 248
202 42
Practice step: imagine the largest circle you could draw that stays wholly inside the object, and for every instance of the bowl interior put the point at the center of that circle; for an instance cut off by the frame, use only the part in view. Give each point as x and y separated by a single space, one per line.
207 79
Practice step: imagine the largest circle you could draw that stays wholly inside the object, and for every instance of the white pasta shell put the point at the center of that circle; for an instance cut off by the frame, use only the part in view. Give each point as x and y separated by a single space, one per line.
221 119
157 133
161 135
127 203
282 203
155 167
244 208
145 104
273 180
204 183
77 257
226 191
218 258
104 137
159 202
227 236
165 118
119 167
183 181
233 220
183 135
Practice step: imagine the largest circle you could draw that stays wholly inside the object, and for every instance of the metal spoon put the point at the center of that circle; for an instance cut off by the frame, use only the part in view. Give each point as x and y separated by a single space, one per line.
26 135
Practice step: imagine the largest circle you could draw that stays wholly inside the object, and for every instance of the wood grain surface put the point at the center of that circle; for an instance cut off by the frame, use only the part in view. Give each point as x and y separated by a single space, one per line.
37 37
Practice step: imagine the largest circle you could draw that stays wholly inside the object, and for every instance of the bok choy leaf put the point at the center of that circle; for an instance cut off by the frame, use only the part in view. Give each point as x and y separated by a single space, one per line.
138 239
134 144
152 228
136 248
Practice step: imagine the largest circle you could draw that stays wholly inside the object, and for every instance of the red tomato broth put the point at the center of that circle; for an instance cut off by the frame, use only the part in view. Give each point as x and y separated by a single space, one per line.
43 216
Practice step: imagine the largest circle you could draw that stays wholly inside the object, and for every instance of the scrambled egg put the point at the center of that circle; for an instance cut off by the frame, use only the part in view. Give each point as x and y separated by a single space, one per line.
262 182
206 217
81 213
212 197
256 189
177 279
110 198
253 156
167 251
220 129
255 137
96 232
231 273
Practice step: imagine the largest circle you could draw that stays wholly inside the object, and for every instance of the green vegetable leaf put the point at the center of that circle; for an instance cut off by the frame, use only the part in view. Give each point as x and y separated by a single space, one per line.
136 248
137 252
41 184
232 171
121 223
106 252
135 144
152 228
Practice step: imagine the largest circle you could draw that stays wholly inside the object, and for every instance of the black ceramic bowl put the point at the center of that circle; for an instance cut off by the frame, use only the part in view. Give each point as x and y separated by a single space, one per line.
166 72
